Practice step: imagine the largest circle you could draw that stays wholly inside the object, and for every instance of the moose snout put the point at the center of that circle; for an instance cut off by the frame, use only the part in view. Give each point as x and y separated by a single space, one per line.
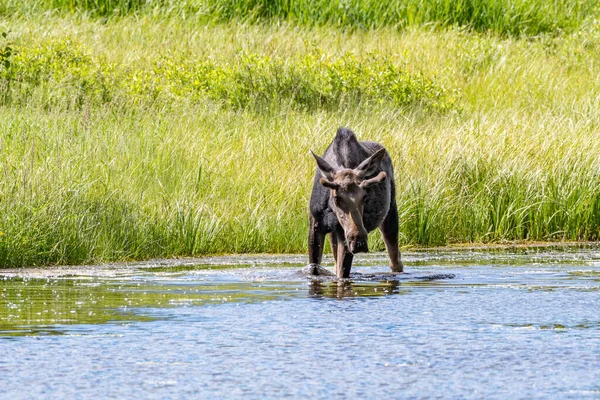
358 245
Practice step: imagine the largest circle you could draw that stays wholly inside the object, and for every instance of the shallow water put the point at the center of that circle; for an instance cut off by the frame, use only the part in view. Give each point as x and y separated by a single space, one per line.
460 324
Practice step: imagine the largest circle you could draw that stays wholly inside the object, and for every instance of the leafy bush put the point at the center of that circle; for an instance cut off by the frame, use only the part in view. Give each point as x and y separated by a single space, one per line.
66 74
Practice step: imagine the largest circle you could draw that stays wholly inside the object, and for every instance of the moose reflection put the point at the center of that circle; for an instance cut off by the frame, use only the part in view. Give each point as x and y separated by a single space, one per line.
347 289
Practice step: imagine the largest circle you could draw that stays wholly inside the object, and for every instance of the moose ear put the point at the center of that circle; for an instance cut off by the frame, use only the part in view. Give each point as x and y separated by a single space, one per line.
329 184
368 182
371 165
324 167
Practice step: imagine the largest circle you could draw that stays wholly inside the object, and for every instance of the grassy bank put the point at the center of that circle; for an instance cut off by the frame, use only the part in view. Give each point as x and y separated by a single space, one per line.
148 137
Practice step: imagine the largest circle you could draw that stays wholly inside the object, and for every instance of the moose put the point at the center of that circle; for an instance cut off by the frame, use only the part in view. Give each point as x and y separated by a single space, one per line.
353 193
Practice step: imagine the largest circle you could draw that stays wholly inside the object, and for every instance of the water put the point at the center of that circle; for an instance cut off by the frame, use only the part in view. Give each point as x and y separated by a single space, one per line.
460 324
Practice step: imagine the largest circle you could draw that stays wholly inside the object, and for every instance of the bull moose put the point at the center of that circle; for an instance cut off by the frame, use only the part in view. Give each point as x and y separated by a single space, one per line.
353 193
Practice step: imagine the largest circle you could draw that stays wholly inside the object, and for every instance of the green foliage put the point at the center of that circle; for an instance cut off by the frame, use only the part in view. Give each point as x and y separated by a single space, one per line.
512 17
150 137
6 51
99 8
502 16
68 75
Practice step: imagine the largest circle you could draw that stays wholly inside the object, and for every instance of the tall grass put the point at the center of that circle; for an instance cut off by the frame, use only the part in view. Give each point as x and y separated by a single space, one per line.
135 174
513 17
507 17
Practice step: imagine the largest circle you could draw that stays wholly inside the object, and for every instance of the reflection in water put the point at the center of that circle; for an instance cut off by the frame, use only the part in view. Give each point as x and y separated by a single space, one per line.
54 304
498 327
348 289
42 306
50 306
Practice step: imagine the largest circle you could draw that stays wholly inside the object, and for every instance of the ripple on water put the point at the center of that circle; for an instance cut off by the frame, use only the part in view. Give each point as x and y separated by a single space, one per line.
459 324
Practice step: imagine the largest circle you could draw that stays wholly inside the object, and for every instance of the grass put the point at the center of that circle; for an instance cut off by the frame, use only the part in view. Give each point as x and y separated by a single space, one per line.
495 142
508 17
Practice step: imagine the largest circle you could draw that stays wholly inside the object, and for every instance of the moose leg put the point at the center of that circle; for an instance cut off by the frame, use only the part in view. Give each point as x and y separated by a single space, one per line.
389 231
347 264
316 240
334 246
343 261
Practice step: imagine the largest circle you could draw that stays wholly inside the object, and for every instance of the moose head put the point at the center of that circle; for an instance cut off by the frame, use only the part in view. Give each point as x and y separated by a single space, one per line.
347 195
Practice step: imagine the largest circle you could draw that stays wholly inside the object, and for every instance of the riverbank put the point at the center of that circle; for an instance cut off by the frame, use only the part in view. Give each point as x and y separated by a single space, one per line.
145 137
411 258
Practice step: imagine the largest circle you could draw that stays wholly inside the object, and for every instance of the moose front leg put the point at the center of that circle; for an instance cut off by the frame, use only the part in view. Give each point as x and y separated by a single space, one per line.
343 261
334 245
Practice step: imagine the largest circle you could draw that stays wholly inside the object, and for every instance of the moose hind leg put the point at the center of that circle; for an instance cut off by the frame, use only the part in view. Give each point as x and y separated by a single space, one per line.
389 231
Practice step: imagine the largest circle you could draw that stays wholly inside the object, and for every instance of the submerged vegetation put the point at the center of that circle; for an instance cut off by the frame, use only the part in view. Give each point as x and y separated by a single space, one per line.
158 134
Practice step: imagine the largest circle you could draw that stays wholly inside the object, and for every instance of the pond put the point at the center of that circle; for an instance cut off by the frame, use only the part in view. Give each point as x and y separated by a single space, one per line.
521 323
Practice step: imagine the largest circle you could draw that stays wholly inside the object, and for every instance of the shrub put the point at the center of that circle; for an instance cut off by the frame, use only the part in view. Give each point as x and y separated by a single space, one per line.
62 72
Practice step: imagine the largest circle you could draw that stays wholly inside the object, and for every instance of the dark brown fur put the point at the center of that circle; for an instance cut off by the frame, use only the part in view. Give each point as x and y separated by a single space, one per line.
353 193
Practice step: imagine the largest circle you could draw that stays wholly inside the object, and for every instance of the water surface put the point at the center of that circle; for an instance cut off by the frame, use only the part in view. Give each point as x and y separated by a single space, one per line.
460 324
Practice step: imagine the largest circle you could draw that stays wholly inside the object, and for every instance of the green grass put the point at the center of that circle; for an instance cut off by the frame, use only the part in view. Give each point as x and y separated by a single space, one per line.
109 150
512 17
